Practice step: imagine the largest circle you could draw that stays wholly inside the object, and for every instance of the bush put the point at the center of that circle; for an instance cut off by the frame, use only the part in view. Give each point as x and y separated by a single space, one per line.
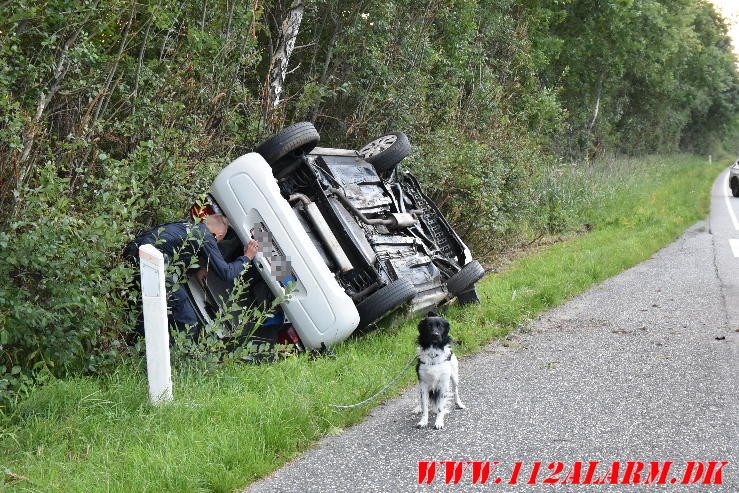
62 307
485 187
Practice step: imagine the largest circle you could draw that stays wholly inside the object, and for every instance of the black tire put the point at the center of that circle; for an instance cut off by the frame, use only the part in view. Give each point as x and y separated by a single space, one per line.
469 297
386 152
466 277
283 151
384 300
735 188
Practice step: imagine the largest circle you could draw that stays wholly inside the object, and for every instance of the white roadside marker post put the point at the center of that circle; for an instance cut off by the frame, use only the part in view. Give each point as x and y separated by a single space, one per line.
154 296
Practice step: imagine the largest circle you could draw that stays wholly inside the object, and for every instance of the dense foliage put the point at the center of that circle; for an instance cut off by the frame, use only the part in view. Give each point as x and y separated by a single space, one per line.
115 114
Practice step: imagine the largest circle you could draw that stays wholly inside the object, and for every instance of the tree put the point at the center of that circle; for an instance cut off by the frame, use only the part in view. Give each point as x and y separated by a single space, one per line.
280 58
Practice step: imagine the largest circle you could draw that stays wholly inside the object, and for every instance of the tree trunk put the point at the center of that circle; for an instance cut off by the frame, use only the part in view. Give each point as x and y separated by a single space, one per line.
595 113
60 71
591 150
281 56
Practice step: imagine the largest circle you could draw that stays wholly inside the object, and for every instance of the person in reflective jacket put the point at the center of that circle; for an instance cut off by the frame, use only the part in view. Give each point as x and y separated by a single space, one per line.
180 242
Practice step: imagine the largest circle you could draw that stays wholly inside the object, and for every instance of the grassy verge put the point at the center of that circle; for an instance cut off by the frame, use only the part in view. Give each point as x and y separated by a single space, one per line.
232 426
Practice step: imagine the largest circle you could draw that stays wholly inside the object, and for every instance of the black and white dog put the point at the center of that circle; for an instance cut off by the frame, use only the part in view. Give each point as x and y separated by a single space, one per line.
437 366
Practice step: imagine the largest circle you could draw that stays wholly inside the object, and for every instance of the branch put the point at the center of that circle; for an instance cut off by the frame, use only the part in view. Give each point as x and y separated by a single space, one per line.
104 101
293 70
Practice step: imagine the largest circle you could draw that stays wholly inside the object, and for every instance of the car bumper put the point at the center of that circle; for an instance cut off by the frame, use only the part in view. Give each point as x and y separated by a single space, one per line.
318 308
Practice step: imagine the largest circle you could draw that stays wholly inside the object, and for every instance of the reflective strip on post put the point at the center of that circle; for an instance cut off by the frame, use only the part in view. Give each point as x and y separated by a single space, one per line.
154 294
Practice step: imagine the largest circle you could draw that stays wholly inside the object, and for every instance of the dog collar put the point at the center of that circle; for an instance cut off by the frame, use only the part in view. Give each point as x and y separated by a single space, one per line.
448 358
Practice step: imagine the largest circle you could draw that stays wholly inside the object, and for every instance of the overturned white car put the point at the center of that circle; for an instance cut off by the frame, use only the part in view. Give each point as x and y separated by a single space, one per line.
356 237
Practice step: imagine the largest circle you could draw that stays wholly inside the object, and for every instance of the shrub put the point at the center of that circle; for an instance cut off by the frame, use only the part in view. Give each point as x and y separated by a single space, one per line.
63 304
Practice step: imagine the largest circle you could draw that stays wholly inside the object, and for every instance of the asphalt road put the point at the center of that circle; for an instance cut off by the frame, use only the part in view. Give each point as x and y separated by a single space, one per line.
643 367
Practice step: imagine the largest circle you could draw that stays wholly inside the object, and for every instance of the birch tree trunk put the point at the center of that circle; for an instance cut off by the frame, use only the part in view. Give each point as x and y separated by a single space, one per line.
595 114
591 150
283 50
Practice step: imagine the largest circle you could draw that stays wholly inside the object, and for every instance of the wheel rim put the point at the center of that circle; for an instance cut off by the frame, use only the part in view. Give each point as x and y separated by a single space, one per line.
378 145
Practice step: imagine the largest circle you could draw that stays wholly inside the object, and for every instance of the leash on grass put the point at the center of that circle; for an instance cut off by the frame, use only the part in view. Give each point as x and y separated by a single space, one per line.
382 391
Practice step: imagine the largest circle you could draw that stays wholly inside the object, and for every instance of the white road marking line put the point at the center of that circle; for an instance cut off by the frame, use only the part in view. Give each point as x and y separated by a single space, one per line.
731 209
734 243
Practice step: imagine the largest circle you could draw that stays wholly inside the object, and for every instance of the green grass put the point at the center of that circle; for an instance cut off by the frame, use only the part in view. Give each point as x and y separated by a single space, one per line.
230 427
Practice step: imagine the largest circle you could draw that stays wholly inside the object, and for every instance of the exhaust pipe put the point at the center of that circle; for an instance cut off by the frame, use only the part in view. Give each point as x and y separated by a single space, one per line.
324 231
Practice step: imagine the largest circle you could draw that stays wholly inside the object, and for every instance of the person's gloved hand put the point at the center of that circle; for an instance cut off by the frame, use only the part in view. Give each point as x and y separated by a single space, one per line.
201 275
251 249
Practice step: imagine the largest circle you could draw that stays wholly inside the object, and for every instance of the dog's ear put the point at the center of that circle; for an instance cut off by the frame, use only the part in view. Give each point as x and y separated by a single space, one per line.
446 327
422 324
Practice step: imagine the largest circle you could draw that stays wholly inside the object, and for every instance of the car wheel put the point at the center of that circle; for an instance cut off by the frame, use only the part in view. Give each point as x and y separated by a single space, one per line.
386 152
284 150
735 189
384 300
466 277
